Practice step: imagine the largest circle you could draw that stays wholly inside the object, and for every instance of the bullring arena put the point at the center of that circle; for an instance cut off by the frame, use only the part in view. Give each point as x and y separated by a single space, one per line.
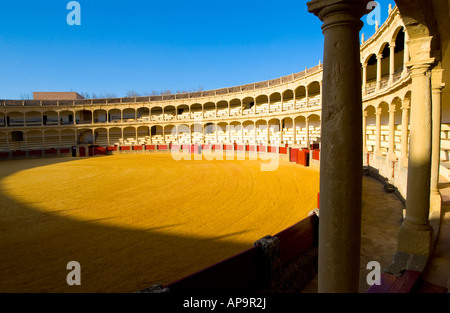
95 180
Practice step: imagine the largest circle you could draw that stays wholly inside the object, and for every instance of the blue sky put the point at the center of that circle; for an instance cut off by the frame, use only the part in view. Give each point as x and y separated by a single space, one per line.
154 45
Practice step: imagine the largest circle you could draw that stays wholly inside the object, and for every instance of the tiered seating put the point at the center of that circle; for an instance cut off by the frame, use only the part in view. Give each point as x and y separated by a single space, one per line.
35 142
157 139
210 114
197 137
183 116
262 108
211 137
101 139
315 100
68 139
51 140
288 135
158 117
222 112
234 111
3 145
274 136
247 111
183 137
115 138
170 138
168 116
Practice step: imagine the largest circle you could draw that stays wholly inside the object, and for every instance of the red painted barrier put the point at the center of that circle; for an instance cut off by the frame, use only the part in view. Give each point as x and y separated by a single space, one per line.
137 148
217 147
125 148
4 154
294 155
316 154
24 153
111 148
262 149
240 147
162 147
283 150
51 151
64 150
82 151
174 147
150 147
99 151
318 200
228 147
303 157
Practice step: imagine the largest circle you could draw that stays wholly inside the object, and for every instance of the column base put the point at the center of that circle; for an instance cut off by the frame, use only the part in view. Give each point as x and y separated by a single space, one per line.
415 240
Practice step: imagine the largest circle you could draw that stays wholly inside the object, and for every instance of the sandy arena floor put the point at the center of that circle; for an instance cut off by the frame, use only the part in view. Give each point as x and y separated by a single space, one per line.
135 220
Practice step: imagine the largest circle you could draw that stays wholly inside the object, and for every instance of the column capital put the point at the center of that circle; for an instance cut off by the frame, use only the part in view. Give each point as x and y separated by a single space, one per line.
333 12
437 83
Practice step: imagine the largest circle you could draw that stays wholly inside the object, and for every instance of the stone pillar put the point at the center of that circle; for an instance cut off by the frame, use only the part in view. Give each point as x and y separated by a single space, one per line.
436 88
379 58
306 96
391 154
107 136
281 132
415 233
364 130
391 62
404 135
307 132
378 131
405 54
364 79
340 185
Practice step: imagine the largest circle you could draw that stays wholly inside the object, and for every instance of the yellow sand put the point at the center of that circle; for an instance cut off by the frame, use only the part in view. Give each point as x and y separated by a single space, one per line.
135 220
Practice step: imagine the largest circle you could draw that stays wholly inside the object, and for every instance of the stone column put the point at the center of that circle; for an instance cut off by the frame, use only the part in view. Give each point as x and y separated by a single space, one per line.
340 185
306 96
391 154
281 132
307 132
404 135
391 62
268 133
436 88
405 55
379 58
364 130
415 233
107 136
364 79
378 131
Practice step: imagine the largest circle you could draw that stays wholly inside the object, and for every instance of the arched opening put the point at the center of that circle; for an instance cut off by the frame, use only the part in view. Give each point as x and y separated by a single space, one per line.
50 118
300 131
196 111
68 138
156 114
143 135
83 117
247 105
51 139
115 136
371 74
85 137
314 128
33 118
34 141
209 109
236 132
222 108
101 136
274 131
100 116
399 51
300 97
261 132
129 115
288 100
288 130
209 133
249 132
129 136
170 134
222 133
384 126
196 133
169 113
314 94
184 134
143 114
183 112
385 61
275 102
157 134
262 104
66 118
235 107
